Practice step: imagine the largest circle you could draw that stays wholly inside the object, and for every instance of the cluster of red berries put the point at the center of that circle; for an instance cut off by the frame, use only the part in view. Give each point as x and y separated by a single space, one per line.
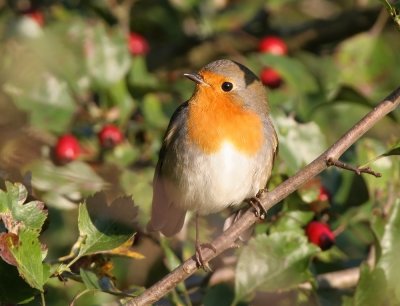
68 149
272 45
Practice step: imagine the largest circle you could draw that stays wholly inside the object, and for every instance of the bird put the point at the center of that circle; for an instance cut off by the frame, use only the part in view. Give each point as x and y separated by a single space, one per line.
218 149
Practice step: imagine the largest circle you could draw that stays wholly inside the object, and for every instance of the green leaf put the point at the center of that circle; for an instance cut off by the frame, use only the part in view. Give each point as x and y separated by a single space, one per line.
63 185
139 75
364 59
299 143
90 279
276 262
152 111
395 150
171 260
139 184
292 71
49 103
369 279
104 226
3 202
349 94
120 97
292 220
32 215
107 56
367 151
122 155
390 244
28 255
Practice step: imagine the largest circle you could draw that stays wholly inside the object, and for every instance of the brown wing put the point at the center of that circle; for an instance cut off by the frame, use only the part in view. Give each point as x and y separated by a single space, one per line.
165 216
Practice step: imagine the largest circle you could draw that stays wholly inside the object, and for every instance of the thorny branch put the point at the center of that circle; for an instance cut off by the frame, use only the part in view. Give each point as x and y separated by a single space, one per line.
228 238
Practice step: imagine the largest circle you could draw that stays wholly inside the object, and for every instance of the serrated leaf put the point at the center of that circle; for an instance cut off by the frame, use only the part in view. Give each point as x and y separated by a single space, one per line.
139 184
390 245
17 194
32 215
106 226
28 255
279 261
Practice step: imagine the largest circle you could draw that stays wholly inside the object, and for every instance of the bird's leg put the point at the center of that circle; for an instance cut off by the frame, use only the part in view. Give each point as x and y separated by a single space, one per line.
255 202
199 257
358 170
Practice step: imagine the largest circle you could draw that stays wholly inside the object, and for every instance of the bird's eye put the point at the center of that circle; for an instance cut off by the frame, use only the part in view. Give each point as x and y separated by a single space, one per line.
227 86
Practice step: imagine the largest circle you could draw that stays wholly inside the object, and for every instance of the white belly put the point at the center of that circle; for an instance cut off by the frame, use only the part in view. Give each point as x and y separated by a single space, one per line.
218 180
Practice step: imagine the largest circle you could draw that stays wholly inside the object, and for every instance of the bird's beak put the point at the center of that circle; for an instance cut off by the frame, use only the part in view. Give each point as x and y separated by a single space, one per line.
197 78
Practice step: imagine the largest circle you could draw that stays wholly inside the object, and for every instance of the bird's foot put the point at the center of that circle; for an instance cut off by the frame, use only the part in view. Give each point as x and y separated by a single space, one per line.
260 211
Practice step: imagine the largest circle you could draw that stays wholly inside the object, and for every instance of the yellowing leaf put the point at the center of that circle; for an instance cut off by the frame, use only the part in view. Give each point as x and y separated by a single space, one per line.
124 250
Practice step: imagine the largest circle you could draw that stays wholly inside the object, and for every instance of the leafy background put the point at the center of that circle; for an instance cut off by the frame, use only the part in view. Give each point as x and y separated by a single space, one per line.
75 233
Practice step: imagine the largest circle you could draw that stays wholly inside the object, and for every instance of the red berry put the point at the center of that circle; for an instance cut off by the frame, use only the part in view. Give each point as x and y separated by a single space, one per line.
323 194
138 45
273 45
109 136
320 234
271 78
36 16
67 148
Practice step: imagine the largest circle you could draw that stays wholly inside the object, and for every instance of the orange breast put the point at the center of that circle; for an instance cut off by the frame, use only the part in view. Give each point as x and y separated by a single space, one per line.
214 118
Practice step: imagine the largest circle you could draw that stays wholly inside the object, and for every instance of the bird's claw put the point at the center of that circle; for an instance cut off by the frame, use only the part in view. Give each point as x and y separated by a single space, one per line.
260 211
199 256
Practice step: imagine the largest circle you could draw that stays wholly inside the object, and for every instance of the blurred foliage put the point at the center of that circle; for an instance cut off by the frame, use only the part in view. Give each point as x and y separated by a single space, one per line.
75 233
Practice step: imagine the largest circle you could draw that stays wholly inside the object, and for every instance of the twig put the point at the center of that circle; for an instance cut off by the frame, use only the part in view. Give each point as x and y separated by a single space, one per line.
339 164
227 238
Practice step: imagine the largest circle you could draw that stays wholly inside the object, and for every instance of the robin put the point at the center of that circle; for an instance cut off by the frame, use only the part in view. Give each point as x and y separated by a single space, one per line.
218 149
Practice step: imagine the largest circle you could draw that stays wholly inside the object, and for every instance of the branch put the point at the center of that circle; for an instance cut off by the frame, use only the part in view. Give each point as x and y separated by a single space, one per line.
228 238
